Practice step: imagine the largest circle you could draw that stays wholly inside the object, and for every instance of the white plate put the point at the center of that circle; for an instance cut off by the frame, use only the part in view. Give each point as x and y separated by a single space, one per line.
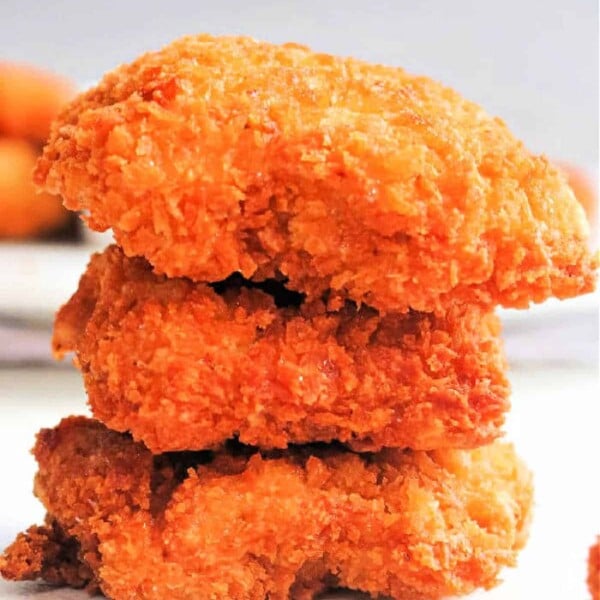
37 278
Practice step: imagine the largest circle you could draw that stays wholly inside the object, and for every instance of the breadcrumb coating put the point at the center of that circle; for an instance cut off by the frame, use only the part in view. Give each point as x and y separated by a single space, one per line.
29 100
218 155
183 367
46 552
23 211
245 526
593 580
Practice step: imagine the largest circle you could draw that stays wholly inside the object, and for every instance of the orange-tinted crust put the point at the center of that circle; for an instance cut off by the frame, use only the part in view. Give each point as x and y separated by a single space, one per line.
410 525
216 155
24 212
46 552
593 580
183 368
29 99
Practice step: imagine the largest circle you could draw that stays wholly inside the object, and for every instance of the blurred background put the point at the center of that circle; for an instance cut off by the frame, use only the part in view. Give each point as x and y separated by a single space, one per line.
534 63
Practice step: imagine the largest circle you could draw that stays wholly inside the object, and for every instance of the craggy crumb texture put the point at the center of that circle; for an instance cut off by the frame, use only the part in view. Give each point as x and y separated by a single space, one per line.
46 552
238 525
221 155
594 570
183 367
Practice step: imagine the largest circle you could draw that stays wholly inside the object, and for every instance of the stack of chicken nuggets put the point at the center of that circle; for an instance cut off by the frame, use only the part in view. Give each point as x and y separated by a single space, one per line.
291 353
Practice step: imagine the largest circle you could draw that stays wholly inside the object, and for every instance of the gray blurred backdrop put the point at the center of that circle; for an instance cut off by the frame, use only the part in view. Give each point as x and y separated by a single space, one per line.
532 62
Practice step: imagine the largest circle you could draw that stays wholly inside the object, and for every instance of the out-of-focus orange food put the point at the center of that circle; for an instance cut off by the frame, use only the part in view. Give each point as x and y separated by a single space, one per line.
24 212
594 570
246 525
30 99
585 189
216 155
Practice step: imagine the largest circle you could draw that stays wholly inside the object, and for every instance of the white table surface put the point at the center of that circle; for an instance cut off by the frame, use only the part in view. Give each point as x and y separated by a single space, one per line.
554 423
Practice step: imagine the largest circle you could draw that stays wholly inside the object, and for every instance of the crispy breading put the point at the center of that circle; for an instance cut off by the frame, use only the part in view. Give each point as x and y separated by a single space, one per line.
46 552
23 211
217 155
29 99
593 580
241 525
183 367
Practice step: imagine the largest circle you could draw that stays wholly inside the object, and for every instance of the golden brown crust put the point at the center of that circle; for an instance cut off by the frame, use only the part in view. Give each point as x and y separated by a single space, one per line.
409 525
216 155
183 367
593 580
23 211
29 100
45 552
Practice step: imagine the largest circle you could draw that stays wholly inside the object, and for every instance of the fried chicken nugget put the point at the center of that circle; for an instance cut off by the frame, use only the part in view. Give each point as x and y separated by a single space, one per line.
183 367
594 570
221 155
23 211
411 525
29 99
